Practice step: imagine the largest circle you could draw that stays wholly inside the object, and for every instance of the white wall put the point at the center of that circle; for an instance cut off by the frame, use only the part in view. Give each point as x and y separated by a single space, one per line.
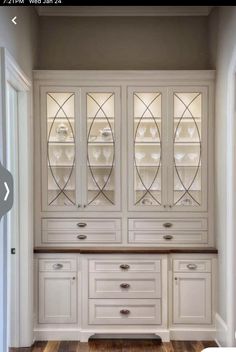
222 27
21 42
124 43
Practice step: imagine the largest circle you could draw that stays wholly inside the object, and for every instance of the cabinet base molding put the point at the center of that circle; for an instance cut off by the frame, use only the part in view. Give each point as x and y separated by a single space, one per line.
84 335
196 334
54 334
183 334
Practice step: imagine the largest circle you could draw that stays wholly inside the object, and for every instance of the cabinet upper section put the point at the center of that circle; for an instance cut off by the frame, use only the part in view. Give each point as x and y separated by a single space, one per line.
147 138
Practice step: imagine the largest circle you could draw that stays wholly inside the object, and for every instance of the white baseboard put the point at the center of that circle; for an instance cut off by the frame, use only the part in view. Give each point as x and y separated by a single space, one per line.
188 334
221 331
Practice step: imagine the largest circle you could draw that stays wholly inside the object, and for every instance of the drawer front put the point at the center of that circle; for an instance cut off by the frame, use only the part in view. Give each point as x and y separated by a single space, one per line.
167 224
119 266
124 312
196 265
82 225
124 285
79 237
168 237
57 265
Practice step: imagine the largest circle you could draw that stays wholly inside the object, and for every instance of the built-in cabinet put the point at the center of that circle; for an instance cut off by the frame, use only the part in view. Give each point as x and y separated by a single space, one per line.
124 159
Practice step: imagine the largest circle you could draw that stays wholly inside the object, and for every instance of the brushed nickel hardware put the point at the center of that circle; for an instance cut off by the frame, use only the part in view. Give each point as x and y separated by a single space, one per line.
73 278
168 237
124 311
57 266
192 266
81 237
81 224
168 224
124 266
124 285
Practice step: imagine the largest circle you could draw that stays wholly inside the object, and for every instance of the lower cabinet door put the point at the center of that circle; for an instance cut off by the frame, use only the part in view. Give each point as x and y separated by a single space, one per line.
57 298
192 298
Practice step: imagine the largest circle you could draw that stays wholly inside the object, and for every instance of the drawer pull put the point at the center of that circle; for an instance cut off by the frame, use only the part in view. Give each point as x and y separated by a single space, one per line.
192 266
168 224
81 224
168 237
124 311
124 285
57 266
81 237
124 266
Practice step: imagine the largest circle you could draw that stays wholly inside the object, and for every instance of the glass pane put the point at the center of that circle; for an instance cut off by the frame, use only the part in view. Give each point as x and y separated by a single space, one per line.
101 148
187 148
147 148
61 148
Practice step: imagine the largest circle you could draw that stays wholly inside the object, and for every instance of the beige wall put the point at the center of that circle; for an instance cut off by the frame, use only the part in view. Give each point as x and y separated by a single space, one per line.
21 39
124 43
222 27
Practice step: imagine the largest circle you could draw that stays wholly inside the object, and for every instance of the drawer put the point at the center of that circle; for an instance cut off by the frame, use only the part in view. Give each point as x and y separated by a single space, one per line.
124 312
167 224
195 265
57 265
117 266
124 285
82 225
168 237
79 237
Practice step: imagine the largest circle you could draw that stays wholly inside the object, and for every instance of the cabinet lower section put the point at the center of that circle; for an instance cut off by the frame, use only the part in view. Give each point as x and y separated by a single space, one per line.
79 295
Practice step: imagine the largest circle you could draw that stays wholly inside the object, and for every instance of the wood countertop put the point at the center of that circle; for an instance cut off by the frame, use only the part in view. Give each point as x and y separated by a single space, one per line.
124 250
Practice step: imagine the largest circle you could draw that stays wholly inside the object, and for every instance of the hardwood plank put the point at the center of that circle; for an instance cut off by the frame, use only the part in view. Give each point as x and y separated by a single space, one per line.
167 347
117 345
209 344
39 346
52 346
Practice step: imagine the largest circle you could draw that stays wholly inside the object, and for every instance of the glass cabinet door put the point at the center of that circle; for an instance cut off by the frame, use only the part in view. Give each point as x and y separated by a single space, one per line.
189 149
59 150
102 174
146 165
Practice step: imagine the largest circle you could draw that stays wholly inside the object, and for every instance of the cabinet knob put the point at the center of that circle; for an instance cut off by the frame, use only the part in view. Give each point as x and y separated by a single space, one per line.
57 266
85 205
124 285
168 237
124 311
81 224
168 224
79 205
192 266
81 237
73 278
124 266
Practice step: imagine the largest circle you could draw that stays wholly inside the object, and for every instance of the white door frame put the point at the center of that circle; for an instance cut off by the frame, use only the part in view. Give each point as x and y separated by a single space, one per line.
22 272
230 337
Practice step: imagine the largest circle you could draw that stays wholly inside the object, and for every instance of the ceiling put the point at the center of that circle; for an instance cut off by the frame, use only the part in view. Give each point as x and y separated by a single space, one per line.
124 10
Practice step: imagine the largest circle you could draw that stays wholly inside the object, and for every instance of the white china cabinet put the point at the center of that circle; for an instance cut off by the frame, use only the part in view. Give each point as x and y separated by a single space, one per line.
124 204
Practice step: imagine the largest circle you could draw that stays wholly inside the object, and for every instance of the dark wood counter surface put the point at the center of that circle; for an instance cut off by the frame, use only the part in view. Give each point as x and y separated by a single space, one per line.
124 250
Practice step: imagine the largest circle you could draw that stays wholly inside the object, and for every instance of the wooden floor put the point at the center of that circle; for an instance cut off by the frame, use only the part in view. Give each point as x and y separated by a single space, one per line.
118 346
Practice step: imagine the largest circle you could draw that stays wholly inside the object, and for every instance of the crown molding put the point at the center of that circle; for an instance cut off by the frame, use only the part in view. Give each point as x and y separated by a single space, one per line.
120 75
92 11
